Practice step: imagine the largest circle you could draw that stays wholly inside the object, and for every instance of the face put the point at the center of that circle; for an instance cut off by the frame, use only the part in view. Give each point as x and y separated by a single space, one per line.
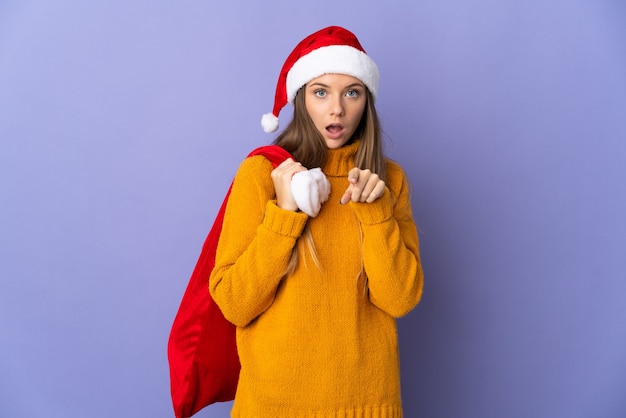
335 103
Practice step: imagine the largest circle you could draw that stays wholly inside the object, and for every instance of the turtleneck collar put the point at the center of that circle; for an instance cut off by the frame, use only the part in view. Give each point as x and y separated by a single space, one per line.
340 161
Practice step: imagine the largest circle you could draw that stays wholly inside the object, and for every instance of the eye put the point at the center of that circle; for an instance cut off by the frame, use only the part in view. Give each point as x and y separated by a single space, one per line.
320 93
353 93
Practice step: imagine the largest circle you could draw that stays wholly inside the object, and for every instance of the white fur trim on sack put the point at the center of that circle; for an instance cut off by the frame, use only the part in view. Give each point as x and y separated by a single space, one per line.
310 189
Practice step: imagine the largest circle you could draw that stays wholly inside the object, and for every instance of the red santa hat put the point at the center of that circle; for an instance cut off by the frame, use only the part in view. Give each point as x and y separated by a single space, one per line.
331 50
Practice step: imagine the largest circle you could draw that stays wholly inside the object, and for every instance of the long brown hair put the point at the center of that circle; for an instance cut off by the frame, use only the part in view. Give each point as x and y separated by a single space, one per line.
302 139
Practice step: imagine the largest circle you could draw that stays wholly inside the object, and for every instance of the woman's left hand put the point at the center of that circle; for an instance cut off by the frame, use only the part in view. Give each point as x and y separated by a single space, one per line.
365 186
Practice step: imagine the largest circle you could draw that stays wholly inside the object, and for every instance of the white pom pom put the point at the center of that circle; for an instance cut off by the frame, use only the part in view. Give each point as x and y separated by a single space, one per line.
269 122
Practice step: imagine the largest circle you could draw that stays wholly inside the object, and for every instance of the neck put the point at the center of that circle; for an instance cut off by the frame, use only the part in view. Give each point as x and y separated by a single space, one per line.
340 161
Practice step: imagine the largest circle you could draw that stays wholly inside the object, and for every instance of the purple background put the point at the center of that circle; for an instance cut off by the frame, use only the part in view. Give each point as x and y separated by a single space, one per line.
122 123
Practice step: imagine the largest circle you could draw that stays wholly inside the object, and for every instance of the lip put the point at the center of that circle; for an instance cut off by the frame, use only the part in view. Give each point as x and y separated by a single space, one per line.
334 130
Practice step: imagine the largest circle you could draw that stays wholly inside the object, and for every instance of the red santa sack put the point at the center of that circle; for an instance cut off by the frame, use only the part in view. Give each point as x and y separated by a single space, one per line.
202 350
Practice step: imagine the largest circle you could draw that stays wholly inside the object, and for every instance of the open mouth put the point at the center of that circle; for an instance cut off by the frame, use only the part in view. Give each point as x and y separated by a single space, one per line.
334 130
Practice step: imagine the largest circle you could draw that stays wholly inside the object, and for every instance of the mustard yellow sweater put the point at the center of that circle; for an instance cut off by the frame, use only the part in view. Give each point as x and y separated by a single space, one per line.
321 342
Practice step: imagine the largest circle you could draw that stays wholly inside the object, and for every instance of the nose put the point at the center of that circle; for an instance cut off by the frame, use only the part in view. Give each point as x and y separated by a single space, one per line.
336 107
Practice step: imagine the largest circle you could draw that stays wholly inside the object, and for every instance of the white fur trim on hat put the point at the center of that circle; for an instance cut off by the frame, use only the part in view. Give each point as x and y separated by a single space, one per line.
333 59
310 189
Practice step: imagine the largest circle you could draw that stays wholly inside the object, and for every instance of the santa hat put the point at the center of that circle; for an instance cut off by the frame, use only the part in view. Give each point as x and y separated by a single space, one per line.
330 50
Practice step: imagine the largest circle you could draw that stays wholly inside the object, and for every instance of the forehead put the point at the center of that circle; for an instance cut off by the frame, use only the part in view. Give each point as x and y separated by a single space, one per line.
336 80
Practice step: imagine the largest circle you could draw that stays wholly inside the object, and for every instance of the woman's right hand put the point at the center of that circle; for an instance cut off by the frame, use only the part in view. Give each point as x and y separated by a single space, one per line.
281 176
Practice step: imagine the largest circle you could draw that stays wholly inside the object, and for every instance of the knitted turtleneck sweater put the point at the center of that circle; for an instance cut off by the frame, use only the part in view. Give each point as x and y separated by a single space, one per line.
321 342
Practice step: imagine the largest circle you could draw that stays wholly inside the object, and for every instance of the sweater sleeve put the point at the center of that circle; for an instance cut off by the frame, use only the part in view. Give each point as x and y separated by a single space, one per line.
255 244
390 247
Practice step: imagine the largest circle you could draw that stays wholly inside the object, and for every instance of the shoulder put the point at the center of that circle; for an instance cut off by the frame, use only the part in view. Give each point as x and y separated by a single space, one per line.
256 164
400 188
254 173
396 177
393 168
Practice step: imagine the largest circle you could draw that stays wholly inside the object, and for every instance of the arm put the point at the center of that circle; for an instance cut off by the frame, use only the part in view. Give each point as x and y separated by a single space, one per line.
255 244
390 247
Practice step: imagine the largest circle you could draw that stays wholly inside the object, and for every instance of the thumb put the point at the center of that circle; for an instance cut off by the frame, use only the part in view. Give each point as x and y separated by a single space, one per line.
347 195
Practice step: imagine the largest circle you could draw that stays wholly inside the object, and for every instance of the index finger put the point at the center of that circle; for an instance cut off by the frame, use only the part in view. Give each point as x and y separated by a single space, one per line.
353 175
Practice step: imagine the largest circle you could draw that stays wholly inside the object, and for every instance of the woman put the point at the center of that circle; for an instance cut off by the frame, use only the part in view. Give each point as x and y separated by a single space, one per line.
315 293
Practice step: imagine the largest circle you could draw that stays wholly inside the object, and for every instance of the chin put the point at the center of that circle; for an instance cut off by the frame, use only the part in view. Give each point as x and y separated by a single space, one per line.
335 143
